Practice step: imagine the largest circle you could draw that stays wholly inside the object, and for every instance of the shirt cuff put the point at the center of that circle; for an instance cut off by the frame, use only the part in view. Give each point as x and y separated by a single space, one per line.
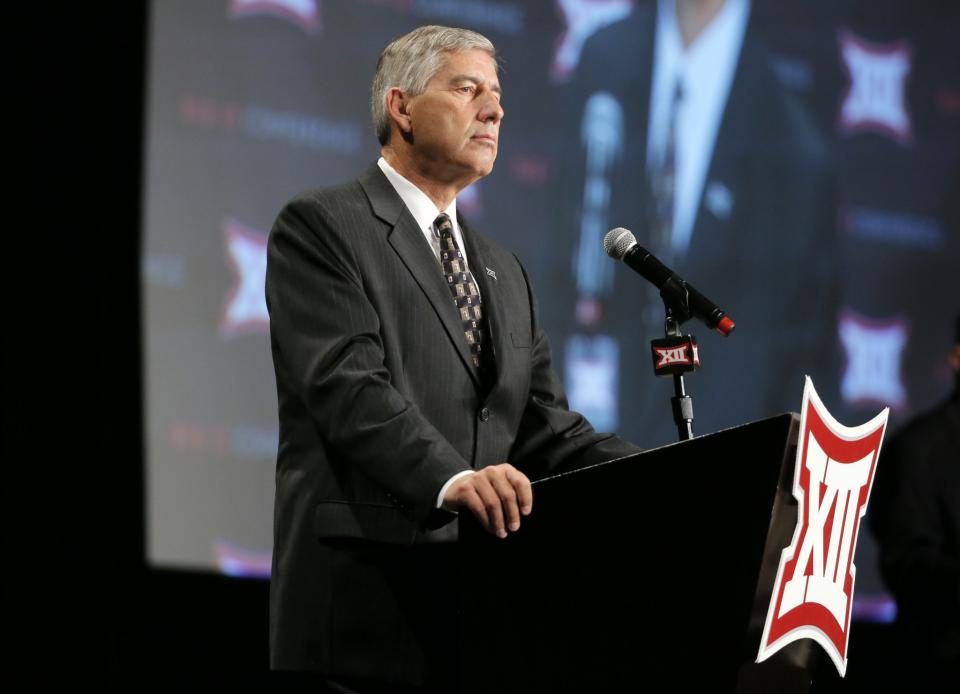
443 489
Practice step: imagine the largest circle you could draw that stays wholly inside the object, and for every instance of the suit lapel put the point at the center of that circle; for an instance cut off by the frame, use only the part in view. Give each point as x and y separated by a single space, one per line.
714 241
408 241
633 91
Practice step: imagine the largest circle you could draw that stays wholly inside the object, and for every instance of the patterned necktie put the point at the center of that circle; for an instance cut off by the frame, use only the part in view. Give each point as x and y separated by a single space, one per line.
462 286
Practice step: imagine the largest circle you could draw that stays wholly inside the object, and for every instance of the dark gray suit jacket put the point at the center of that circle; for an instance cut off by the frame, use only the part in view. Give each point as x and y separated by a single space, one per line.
379 405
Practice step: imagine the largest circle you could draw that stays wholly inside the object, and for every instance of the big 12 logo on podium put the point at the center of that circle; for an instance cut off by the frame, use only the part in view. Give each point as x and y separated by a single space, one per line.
813 594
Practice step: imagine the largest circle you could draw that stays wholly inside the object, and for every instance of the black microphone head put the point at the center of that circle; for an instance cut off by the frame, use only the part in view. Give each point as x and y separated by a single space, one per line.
618 241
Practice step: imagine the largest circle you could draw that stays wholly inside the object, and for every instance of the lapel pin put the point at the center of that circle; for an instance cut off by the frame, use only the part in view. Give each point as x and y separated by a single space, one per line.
491 273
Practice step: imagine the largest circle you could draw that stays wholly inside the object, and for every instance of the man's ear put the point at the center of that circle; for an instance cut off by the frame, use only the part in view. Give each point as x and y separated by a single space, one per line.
398 105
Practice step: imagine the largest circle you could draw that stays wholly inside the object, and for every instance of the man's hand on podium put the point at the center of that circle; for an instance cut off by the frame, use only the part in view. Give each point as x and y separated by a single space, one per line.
497 495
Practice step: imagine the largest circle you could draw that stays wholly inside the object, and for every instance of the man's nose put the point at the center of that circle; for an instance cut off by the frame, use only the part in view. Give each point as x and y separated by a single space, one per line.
491 111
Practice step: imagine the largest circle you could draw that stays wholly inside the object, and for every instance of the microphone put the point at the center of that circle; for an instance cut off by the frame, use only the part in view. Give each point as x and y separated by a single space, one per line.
621 244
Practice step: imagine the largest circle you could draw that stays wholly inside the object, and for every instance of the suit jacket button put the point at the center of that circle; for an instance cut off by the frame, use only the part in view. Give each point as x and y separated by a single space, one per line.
484 414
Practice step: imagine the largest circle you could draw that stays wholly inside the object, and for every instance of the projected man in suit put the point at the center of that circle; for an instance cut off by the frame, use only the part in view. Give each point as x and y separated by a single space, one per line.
722 174
413 378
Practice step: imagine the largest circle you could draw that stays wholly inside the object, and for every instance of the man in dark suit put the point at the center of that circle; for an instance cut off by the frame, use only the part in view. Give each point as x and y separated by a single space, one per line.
413 381
915 516
748 214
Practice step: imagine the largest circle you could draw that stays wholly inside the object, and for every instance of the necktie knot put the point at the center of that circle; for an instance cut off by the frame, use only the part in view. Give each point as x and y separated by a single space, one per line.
443 223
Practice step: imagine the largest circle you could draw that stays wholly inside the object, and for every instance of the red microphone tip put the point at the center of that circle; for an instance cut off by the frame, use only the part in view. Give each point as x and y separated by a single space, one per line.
725 326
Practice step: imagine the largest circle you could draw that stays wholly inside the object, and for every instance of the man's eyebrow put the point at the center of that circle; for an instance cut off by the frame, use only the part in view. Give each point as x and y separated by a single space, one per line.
476 80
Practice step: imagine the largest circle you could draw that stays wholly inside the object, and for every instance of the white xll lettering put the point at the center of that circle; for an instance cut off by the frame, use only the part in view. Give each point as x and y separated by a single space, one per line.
672 356
825 582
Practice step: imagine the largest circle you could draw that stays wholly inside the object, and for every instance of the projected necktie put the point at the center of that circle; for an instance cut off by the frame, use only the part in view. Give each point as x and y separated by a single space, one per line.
663 184
662 187
462 286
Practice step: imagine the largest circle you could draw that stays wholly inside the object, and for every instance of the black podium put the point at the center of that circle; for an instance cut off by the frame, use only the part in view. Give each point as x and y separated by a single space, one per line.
647 573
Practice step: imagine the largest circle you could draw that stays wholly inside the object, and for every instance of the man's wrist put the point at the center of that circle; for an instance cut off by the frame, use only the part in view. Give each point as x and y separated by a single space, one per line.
446 486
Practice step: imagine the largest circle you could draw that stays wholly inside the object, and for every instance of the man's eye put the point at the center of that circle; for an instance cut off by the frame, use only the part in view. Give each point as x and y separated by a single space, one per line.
467 89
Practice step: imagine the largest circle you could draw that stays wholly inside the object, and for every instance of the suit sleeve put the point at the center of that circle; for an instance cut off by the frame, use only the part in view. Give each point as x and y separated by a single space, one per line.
910 521
329 355
552 438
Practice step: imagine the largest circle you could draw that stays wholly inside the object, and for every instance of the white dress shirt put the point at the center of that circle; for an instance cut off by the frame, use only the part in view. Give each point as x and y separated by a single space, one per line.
705 70
424 211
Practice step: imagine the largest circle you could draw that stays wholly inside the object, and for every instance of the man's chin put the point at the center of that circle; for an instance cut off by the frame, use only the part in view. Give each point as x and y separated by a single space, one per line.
470 171
484 166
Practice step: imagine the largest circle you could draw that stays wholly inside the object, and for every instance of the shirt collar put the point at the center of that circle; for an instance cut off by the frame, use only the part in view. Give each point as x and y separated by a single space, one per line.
418 202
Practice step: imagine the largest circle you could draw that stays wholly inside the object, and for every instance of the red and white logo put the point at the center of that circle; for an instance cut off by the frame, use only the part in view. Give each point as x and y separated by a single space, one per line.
834 472
876 96
582 18
246 305
874 350
304 13
667 356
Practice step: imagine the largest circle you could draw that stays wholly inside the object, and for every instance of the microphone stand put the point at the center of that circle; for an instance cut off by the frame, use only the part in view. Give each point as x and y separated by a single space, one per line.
681 402
677 354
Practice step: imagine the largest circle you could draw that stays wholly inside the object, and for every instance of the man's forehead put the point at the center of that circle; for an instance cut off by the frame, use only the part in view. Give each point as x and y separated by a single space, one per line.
473 63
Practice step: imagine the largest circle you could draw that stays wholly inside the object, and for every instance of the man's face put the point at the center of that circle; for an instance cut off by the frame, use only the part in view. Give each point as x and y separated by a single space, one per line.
456 120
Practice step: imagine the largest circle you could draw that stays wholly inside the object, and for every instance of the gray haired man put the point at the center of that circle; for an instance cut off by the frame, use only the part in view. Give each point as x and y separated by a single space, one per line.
414 381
